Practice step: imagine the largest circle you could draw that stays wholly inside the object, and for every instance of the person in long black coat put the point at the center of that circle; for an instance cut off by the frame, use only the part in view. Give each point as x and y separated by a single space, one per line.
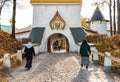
85 53
30 52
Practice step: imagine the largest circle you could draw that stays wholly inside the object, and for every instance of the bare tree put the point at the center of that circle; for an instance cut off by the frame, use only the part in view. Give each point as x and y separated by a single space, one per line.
20 4
114 16
110 10
118 16
13 18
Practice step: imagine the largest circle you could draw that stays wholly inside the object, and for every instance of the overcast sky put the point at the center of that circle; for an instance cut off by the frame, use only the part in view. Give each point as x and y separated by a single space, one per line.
24 16
88 9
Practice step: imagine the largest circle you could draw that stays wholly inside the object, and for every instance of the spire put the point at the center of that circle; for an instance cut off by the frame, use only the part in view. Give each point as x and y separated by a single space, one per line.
97 16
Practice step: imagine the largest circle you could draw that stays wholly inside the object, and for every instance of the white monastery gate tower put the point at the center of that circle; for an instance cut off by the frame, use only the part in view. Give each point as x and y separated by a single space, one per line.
57 23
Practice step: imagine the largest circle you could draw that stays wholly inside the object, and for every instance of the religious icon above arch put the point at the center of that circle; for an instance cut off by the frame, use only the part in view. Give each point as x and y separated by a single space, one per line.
57 22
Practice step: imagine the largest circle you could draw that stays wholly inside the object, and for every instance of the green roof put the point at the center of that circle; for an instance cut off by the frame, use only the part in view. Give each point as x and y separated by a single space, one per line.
36 34
78 34
6 28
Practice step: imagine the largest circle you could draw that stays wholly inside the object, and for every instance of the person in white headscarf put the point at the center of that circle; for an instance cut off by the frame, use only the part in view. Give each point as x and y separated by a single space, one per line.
30 52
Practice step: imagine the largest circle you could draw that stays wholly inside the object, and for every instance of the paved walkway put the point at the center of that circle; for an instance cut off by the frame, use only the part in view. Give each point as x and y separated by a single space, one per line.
60 68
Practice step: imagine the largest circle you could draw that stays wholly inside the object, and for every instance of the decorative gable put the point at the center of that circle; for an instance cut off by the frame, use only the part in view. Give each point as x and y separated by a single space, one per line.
57 23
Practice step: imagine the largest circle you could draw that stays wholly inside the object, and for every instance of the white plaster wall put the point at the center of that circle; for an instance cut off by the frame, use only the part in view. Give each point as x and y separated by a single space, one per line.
22 35
43 13
36 49
66 33
100 27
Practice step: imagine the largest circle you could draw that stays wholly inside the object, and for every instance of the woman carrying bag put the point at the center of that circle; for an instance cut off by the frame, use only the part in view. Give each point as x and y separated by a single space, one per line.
29 53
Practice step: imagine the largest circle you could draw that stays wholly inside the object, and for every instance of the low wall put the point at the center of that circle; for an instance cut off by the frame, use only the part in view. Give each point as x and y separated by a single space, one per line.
107 58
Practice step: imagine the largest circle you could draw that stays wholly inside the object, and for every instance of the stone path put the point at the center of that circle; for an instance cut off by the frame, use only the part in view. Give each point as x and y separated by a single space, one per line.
60 68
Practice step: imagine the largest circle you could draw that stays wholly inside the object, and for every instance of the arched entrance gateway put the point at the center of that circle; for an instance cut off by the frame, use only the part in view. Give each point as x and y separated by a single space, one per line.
60 26
57 43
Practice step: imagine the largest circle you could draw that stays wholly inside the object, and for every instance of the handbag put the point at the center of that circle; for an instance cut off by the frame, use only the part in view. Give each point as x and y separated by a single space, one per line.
23 55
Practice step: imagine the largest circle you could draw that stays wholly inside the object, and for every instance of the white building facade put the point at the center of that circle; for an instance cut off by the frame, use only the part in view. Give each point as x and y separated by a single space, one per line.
98 22
99 26
57 17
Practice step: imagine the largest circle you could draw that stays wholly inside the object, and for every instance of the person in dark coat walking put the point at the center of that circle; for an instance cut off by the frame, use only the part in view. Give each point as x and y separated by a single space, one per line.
85 53
30 52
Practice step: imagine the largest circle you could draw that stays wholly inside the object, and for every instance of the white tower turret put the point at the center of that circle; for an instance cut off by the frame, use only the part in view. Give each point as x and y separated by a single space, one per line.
98 22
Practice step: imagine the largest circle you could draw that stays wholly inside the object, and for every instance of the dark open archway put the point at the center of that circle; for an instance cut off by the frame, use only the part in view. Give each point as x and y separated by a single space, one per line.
57 43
